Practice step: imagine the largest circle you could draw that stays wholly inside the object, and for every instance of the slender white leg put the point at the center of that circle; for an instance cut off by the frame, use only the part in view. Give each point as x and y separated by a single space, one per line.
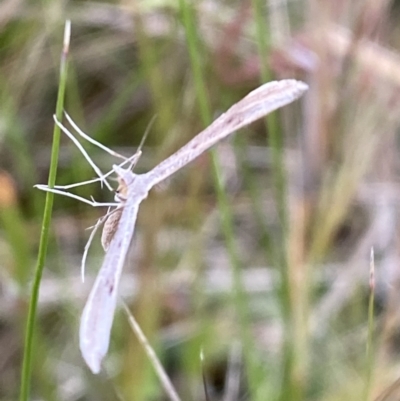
84 153
77 184
91 140
131 159
79 198
102 177
94 228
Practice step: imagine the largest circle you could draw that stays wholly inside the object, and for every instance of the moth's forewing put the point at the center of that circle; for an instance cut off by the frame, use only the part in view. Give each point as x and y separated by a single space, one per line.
111 224
110 228
98 313
255 105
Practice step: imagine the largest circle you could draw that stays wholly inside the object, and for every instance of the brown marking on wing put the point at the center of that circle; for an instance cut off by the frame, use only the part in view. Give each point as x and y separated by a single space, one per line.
110 227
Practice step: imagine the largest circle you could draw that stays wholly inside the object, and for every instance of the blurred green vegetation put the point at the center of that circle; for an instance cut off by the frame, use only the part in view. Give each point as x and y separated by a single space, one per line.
267 273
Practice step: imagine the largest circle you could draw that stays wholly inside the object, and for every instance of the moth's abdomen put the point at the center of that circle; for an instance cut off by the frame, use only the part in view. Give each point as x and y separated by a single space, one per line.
110 227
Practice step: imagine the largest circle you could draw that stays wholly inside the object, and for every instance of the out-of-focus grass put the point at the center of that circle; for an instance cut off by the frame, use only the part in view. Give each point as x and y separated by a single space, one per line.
308 194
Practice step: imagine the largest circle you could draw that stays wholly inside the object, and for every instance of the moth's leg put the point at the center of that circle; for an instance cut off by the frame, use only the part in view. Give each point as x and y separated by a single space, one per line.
94 229
131 159
79 198
91 140
84 153
77 184
60 189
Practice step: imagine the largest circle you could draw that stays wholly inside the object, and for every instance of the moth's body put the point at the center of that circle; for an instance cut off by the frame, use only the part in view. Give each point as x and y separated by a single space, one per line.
98 314
111 224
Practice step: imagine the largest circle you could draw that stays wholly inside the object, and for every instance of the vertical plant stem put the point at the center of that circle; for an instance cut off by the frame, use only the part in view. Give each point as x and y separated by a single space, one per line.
159 369
30 325
271 120
288 388
370 349
223 203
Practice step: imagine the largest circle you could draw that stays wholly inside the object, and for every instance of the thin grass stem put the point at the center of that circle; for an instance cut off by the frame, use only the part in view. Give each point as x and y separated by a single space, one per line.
370 349
222 200
162 375
288 384
31 319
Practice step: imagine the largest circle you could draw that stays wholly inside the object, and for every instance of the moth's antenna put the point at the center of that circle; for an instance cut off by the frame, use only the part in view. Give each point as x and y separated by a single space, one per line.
145 135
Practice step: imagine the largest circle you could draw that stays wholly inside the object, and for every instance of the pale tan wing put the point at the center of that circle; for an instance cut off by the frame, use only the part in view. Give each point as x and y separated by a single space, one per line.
98 314
256 104
110 227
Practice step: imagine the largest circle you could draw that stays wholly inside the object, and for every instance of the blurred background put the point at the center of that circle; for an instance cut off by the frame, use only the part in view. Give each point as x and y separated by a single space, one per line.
270 277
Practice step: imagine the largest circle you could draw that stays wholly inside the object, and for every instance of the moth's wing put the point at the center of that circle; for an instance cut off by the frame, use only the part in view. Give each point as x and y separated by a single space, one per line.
98 314
256 104
110 227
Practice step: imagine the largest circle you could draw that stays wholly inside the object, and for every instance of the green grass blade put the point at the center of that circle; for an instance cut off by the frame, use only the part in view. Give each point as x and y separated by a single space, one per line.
289 388
370 339
222 200
30 325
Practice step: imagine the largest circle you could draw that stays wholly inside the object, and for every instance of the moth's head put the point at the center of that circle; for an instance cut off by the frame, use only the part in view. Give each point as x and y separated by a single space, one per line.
138 184
121 192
